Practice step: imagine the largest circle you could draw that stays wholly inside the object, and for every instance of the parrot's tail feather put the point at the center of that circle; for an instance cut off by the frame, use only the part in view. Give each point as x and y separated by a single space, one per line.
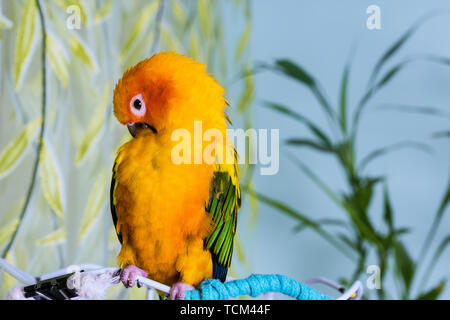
220 272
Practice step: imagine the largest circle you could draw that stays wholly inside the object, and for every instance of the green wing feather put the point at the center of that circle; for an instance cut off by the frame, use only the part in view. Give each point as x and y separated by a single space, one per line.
224 204
113 201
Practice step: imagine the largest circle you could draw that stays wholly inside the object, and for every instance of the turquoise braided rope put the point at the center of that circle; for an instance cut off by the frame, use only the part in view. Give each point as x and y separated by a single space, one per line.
256 284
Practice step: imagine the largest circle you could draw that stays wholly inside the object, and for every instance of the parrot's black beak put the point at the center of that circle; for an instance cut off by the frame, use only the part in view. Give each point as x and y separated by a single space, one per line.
136 126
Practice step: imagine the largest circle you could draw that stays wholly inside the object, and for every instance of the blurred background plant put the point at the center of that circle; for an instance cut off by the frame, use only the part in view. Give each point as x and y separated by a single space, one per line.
55 194
355 234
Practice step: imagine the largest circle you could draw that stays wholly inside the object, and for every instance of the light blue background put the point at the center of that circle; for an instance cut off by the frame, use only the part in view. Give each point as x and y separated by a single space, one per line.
318 35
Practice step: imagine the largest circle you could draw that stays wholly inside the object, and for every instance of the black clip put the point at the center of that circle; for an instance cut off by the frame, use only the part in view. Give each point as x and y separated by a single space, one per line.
51 289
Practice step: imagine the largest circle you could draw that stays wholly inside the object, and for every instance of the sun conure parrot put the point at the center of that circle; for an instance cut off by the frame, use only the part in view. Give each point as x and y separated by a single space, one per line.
176 221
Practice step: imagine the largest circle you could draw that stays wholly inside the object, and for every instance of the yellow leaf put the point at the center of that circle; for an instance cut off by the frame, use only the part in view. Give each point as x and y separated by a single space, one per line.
168 40
94 204
179 12
103 11
243 42
95 126
11 156
58 58
82 52
204 16
239 250
194 46
139 27
51 180
7 231
249 91
24 41
57 236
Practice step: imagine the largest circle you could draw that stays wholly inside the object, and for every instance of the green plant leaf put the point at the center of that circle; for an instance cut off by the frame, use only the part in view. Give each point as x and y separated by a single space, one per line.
442 134
283 208
346 155
397 45
296 72
387 214
299 74
317 180
296 116
322 222
433 293
82 52
139 28
94 204
24 41
405 266
345 239
397 146
444 203
96 124
58 58
433 262
57 236
348 203
436 221
51 180
12 154
388 76
299 142
426 110
343 98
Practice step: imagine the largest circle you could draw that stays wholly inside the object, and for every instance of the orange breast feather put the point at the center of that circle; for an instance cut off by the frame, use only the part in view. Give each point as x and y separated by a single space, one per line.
160 210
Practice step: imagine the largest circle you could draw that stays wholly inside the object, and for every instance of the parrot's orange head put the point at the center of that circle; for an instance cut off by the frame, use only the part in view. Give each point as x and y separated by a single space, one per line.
166 92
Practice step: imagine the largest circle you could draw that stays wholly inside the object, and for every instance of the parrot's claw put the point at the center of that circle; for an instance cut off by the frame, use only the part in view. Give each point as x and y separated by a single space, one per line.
129 275
178 290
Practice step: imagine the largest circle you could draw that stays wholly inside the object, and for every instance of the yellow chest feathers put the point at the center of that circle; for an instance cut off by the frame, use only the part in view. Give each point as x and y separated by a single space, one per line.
160 205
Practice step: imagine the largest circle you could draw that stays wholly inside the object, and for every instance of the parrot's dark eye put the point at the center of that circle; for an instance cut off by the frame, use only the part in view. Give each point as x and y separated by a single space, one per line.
137 105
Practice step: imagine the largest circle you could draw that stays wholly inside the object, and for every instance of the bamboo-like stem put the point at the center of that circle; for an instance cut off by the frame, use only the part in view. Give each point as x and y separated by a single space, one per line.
41 135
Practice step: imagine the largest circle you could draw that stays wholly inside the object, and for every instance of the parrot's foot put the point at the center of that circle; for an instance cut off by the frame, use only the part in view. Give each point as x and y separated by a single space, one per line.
129 275
178 290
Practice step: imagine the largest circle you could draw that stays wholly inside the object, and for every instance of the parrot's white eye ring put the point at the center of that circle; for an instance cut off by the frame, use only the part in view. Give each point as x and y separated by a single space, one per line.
137 105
